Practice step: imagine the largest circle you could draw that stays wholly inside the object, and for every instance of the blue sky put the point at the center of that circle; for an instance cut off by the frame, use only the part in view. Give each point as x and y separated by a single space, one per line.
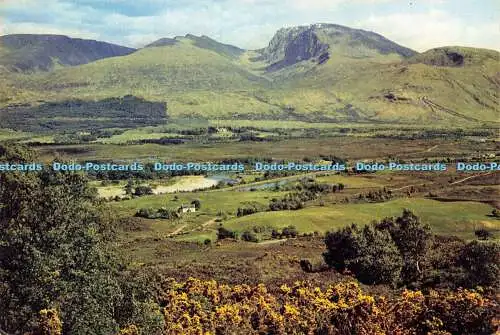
418 24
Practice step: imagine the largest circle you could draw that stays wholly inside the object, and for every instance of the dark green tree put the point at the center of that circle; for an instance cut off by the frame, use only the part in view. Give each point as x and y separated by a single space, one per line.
196 203
129 188
223 233
481 262
483 234
413 239
290 231
143 190
249 236
55 251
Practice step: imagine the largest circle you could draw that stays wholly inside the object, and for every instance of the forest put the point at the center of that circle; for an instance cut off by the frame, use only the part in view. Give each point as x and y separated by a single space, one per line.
90 117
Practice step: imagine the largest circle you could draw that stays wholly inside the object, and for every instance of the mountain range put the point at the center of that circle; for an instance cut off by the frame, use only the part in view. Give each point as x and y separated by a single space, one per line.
25 52
319 72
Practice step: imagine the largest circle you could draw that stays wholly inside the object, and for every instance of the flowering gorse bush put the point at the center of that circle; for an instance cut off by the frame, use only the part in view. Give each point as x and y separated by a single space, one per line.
197 307
207 307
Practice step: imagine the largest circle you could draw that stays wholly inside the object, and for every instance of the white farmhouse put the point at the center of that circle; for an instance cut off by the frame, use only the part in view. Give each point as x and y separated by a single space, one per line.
187 209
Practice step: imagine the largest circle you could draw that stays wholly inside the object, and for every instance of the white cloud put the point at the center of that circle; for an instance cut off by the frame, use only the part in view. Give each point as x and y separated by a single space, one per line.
423 31
330 4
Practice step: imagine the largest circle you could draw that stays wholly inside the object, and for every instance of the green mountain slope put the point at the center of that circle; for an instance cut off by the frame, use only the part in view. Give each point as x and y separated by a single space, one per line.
178 67
413 90
193 79
203 42
25 52
456 56
338 73
312 73
206 42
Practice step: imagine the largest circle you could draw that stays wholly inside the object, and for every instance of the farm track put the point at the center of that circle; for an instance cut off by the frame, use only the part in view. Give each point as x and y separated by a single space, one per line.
432 148
180 229
470 177
436 107
177 231
267 242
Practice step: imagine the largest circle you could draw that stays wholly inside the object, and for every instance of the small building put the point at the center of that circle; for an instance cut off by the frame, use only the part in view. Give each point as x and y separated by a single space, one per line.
187 209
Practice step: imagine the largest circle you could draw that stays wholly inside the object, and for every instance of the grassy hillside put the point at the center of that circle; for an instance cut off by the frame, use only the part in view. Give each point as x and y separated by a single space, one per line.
318 73
193 80
445 218
456 56
400 91
348 74
176 68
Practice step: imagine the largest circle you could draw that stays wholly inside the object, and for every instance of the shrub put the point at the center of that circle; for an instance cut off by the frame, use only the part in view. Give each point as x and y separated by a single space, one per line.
196 203
249 236
249 208
129 187
369 253
143 190
306 265
223 233
290 231
167 213
483 234
341 308
147 213
481 262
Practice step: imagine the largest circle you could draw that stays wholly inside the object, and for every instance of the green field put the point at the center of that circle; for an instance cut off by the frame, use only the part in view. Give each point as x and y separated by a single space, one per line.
135 135
213 202
7 134
451 218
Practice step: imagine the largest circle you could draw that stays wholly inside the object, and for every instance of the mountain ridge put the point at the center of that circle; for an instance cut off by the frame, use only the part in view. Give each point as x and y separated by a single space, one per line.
203 42
31 52
455 56
320 72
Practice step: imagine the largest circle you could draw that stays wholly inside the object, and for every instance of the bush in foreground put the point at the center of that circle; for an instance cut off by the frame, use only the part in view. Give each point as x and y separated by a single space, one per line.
369 253
208 307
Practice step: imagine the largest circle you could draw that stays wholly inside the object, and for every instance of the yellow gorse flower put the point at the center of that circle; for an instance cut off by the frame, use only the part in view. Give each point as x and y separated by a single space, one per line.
206 307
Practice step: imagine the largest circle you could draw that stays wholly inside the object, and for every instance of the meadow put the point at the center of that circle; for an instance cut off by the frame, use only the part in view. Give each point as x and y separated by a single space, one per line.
460 218
219 206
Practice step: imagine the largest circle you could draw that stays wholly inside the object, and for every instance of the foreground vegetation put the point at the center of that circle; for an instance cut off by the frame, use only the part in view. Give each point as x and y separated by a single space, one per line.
208 307
63 270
